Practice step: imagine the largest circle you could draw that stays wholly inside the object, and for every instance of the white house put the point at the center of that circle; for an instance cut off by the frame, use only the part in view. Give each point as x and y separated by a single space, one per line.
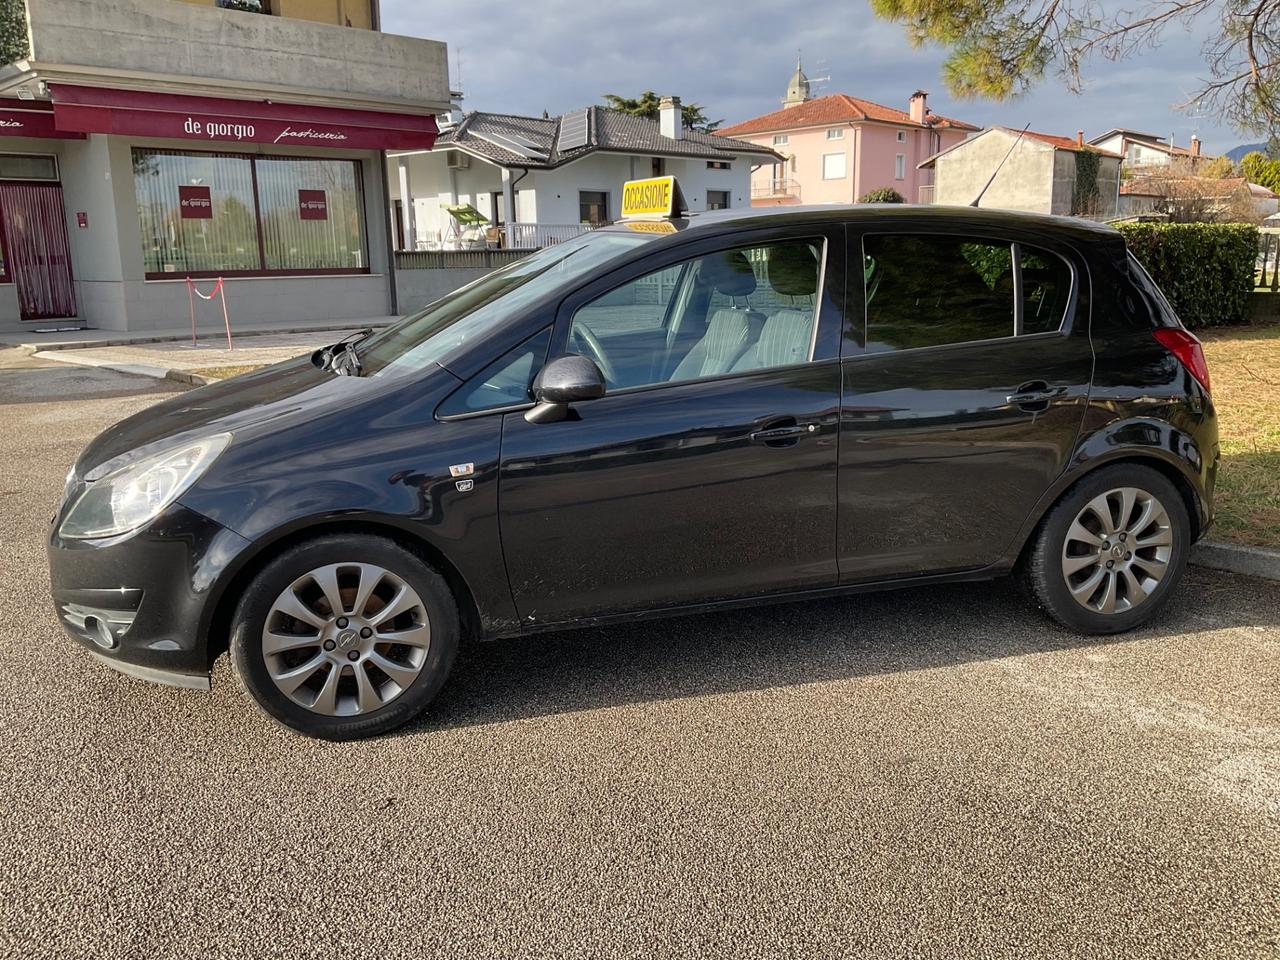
558 176
1147 149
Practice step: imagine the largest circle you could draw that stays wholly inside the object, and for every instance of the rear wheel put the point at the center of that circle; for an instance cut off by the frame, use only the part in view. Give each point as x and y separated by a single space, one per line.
1110 552
345 636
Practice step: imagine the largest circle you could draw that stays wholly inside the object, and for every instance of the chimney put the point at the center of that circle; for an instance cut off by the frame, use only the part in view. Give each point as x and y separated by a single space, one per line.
1195 145
917 107
670 120
1079 138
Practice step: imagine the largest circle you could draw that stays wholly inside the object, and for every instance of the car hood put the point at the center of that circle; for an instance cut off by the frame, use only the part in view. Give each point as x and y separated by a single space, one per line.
267 399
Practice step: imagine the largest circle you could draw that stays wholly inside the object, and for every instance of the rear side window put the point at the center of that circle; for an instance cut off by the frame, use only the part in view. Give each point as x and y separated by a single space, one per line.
928 290
1046 289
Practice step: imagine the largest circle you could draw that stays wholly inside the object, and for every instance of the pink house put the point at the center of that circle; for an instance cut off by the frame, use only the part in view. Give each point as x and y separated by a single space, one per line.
839 147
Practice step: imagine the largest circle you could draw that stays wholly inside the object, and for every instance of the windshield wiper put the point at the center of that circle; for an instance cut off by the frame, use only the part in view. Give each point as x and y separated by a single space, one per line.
341 357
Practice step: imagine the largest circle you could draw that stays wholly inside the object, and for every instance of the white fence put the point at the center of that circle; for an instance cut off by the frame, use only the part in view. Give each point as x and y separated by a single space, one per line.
533 236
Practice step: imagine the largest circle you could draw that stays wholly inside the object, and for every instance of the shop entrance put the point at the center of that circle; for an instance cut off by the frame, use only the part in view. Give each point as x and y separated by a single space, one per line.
37 252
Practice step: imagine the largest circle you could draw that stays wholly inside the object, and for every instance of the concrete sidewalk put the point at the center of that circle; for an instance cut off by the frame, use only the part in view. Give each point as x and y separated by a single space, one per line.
176 360
33 342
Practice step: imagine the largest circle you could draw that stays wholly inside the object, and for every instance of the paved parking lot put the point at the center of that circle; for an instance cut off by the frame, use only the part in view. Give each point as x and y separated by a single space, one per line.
926 773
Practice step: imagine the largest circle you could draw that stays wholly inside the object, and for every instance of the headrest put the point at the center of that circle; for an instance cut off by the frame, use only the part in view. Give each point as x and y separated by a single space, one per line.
729 273
793 270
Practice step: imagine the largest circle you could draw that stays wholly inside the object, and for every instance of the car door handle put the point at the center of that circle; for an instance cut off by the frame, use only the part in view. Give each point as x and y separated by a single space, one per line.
783 436
1035 396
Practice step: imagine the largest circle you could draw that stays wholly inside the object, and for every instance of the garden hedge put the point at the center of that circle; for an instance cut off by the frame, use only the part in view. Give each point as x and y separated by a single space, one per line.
1205 269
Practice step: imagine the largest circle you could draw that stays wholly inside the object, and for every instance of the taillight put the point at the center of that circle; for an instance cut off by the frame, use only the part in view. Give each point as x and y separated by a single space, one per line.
1188 350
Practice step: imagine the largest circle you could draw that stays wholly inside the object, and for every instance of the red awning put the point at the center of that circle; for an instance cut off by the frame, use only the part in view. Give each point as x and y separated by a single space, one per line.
31 118
215 120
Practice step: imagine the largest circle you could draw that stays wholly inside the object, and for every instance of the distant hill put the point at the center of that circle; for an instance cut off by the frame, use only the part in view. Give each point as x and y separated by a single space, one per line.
1236 153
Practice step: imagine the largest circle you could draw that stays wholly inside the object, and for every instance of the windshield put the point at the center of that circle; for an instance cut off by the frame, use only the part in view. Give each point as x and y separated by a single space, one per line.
427 337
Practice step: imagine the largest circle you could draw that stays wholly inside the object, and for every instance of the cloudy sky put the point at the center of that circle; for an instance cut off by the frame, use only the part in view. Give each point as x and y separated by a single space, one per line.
735 57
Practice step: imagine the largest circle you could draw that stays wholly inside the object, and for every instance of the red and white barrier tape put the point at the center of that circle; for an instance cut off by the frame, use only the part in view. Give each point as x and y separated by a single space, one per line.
218 289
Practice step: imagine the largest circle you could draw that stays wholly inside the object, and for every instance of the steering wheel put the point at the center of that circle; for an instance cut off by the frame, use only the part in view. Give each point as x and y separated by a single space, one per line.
583 335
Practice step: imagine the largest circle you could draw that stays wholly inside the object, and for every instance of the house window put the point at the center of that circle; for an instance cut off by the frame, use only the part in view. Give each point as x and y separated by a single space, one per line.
593 207
902 136
835 133
719 165
659 167
229 214
717 199
833 166
900 167
781 140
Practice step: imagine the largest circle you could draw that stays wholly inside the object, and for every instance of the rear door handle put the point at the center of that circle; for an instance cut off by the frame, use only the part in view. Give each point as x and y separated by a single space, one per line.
783 436
1035 395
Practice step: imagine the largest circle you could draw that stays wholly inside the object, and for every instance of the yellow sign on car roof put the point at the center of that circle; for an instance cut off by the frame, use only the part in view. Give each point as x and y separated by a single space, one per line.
651 199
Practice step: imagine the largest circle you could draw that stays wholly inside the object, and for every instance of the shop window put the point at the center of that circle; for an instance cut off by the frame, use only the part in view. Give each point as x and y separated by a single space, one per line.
228 214
312 214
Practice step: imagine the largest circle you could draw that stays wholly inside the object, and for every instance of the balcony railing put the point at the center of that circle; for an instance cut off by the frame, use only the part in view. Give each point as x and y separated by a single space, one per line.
533 236
784 189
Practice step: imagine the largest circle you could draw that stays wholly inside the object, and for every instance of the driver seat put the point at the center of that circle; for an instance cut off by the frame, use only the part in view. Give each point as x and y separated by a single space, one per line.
731 330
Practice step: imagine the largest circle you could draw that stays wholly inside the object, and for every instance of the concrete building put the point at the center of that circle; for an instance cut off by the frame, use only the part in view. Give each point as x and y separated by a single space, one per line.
149 141
537 181
1039 175
837 148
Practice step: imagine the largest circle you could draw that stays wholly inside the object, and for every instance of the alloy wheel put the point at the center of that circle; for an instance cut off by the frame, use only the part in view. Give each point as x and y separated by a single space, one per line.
1117 550
346 639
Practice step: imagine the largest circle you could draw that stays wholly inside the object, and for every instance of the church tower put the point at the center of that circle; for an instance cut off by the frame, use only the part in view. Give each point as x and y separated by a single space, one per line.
798 89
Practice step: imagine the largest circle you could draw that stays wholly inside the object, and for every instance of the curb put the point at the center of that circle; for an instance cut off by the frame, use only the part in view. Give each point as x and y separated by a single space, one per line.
1234 558
54 345
133 369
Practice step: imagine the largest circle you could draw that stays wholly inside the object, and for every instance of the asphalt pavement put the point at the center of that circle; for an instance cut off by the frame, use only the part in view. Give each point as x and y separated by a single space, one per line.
926 773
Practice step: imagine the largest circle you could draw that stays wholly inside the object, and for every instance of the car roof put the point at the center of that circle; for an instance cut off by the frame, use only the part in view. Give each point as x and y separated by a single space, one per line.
720 221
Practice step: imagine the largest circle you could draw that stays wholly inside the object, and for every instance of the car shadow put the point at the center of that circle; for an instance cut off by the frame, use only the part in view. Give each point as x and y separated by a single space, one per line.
790 644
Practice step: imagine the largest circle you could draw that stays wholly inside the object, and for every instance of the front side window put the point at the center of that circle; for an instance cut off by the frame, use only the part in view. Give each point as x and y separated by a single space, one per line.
733 311
928 290
593 207
214 213
476 310
833 166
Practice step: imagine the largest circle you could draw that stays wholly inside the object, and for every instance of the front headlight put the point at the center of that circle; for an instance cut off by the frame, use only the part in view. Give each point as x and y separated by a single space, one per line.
131 496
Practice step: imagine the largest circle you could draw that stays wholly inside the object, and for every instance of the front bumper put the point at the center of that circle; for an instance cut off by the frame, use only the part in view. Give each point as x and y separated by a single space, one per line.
143 603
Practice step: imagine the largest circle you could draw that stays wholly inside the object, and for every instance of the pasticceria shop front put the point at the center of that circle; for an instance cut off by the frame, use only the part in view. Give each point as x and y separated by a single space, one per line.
111 199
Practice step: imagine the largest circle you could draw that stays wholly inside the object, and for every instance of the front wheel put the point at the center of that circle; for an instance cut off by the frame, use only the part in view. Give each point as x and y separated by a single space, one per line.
345 636
1111 551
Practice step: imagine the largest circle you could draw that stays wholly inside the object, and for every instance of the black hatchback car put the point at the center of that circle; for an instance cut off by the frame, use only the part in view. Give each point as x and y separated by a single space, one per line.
654 418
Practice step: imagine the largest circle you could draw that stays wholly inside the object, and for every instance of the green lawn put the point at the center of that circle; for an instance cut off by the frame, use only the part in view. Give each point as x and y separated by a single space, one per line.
1244 366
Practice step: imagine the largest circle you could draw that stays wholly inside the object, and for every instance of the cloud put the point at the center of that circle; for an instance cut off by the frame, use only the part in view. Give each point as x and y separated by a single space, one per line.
734 57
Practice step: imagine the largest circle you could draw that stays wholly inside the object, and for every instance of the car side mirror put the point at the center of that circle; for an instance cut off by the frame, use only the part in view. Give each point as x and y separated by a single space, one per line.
568 378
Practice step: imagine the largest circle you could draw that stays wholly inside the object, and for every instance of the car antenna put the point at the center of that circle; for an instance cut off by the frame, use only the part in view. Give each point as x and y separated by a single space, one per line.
998 166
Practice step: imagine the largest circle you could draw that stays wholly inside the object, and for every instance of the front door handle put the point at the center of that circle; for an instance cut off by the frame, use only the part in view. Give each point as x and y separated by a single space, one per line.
1035 396
783 436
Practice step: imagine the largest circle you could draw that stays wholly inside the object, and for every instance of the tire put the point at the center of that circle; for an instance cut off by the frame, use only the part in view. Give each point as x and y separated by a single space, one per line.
1062 560
328 681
